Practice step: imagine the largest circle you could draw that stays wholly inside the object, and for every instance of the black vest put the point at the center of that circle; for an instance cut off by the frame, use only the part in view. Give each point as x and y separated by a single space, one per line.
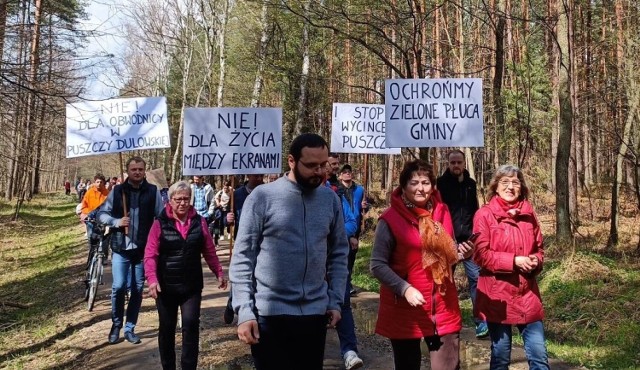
180 266
146 213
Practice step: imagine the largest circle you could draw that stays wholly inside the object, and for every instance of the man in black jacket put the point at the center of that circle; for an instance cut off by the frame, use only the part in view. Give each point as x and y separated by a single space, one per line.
459 192
129 210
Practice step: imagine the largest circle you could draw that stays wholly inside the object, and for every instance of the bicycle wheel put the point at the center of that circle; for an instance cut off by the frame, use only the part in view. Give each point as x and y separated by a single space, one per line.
87 284
93 282
87 281
87 278
100 269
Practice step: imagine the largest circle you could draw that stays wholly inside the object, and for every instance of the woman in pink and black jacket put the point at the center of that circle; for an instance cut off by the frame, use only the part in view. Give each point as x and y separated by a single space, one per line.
178 240
510 254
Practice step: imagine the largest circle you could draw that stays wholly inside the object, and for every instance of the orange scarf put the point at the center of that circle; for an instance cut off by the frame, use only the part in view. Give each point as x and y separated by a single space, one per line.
438 248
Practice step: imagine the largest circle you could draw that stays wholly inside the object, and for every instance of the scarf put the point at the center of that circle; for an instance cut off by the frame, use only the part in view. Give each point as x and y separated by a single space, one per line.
511 209
438 250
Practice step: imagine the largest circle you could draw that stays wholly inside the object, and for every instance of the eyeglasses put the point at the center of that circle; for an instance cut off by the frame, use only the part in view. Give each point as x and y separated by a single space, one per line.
506 183
181 200
313 166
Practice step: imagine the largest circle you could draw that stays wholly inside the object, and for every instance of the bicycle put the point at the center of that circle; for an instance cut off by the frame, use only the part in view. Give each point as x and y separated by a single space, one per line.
98 244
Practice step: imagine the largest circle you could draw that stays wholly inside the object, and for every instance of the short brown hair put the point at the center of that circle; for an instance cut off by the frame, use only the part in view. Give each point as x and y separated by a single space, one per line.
417 165
137 160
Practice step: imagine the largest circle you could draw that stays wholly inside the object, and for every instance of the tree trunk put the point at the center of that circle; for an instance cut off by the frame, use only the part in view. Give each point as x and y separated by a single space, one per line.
612 242
262 55
628 70
563 220
223 55
304 74
187 49
497 88
554 66
575 138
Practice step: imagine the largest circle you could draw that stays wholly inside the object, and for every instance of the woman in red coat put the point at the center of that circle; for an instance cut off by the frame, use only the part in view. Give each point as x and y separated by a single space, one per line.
510 254
412 257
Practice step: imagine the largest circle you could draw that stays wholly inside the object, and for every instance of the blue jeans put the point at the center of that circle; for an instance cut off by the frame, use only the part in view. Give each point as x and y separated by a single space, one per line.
89 226
123 265
472 271
533 337
346 326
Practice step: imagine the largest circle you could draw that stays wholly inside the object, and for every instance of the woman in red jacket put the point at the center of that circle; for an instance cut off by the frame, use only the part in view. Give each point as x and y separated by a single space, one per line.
510 254
412 257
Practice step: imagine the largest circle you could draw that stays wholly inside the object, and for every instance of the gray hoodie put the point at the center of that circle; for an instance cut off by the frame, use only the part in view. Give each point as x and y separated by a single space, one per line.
290 257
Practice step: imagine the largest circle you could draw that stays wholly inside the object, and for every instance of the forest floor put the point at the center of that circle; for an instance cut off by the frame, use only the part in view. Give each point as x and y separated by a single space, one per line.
42 258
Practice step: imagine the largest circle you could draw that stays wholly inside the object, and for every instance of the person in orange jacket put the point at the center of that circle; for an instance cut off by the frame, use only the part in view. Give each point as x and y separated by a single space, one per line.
93 198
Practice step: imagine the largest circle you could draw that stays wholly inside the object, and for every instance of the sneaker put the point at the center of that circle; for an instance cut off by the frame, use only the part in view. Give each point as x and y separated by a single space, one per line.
131 337
114 334
353 292
352 361
482 330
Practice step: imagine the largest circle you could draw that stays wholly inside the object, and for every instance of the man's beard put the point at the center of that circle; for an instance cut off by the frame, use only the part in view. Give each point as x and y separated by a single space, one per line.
307 183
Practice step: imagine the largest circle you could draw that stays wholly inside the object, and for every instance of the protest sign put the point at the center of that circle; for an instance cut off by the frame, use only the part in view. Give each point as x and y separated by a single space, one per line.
434 112
359 128
232 141
116 125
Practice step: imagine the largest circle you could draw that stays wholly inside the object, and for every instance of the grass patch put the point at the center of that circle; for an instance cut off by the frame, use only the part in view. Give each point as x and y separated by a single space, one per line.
361 277
592 317
40 268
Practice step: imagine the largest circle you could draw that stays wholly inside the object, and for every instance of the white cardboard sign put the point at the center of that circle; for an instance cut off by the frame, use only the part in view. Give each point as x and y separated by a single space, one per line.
359 128
232 141
444 112
116 125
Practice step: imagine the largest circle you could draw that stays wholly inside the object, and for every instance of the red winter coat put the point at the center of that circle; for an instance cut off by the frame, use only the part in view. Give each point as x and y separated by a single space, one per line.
396 318
504 294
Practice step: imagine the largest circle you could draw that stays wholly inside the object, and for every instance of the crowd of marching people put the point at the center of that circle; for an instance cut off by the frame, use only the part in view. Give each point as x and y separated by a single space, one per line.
296 237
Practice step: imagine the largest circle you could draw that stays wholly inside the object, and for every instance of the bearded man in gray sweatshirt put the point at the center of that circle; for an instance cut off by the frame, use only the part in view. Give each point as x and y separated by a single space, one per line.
289 264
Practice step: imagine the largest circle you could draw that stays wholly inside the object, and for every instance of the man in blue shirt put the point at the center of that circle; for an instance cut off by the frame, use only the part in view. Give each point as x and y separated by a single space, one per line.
202 197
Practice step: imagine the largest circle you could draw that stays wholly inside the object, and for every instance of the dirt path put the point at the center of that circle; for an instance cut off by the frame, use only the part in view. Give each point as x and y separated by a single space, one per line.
220 348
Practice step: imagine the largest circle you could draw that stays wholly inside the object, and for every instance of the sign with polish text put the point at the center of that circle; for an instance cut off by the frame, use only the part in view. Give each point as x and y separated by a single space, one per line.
116 125
445 112
232 141
359 128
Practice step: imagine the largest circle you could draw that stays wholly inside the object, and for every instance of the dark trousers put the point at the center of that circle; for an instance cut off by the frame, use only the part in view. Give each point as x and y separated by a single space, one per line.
167 305
350 262
443 352
290 342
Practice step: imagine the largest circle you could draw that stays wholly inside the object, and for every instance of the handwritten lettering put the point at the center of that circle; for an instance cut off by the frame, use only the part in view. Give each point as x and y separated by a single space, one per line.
255 160
203 161
433 131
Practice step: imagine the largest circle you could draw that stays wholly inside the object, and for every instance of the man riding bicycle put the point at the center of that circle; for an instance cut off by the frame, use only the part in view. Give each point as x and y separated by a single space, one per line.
93 198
